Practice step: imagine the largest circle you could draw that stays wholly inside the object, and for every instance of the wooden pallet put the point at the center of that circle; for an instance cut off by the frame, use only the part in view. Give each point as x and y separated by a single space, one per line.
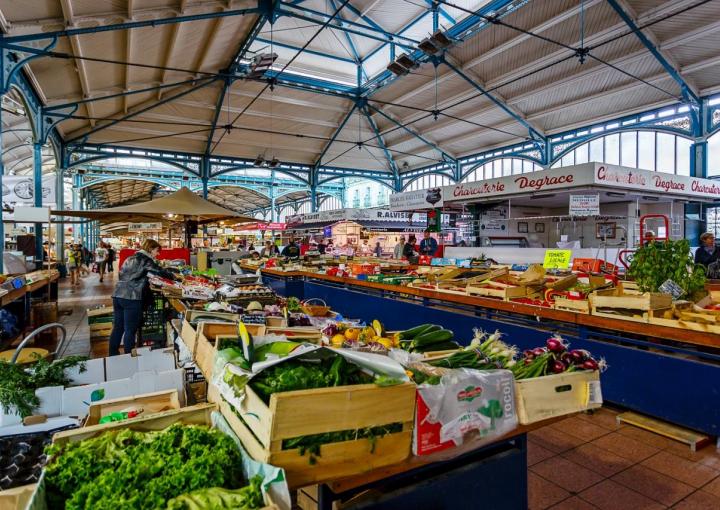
542 398
262 428
694 439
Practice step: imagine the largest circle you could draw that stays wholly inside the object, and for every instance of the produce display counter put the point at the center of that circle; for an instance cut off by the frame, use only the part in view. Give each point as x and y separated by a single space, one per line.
651 364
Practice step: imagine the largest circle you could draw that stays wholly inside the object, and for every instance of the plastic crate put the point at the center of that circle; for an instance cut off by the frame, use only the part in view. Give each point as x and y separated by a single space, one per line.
153 330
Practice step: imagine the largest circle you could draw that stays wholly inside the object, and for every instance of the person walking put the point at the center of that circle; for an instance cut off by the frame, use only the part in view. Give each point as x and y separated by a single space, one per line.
101 258
131 292
111 258
377 251
74 262
399 247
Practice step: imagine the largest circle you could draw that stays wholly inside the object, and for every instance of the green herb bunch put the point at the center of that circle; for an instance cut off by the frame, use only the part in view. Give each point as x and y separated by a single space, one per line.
124 470
656 262
19 382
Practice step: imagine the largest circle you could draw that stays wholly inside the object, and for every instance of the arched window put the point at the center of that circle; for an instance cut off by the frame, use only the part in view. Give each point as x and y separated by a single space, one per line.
330 203
304 207
260 215
501 167
285 212
647 150
429 181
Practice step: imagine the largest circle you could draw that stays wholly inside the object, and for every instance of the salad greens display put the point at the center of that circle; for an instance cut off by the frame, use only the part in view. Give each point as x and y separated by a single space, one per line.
129 470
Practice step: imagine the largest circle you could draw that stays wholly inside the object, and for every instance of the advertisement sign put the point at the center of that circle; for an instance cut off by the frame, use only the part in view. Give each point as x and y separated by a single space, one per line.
584 205
434 220
557 259
414 200
494 218
145 227
19 189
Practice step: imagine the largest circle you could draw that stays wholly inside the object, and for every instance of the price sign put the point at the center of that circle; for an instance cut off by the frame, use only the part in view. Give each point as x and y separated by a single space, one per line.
584 205
557 259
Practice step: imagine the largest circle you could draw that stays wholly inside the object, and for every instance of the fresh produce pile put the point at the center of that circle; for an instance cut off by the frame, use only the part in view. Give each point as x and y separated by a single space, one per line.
555 358
19 382
372 338
426 338
655 263
181 467
485 352
298 375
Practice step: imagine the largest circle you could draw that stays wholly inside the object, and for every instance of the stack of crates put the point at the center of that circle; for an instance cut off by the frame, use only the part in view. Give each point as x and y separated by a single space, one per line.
155 317
100 321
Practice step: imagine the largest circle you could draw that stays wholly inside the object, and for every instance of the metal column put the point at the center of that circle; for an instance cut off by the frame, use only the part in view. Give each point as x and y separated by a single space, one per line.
38 194
60 204
2 225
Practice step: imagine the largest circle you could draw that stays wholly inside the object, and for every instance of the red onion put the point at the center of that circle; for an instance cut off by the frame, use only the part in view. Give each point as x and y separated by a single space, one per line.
538 351
590 364
529 353
555 345
578 356
557 367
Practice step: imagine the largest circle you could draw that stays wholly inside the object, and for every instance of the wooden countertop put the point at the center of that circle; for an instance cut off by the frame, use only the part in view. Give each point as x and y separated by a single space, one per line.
638 328
18 293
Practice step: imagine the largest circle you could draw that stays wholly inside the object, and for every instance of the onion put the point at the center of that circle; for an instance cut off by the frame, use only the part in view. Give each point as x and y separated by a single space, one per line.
528 353
567 358
590 364
555 345
538 351
557 367
528 361
578 356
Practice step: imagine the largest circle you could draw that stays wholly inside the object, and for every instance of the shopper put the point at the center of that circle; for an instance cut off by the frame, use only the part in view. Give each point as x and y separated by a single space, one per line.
707 253
74 262
428 246
101 258
378 250
111 258
399 247
131 292
409 248
269 250
321 247
292 250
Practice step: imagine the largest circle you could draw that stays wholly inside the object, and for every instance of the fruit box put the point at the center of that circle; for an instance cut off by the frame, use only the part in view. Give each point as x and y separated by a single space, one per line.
150 403
550 396
263 427
201 414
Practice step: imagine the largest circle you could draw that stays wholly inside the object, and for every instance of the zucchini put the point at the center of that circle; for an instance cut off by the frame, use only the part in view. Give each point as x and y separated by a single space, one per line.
433 337
418 330
440 346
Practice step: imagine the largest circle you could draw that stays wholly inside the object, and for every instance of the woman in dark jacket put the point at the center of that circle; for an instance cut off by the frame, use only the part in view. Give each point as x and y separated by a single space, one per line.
128 298
707 253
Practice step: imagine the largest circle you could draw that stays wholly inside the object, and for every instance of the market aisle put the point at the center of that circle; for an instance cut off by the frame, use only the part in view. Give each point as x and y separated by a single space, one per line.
586 462
91 293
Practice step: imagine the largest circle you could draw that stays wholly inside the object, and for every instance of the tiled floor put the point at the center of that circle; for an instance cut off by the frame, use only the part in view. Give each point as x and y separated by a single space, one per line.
582 462
587 461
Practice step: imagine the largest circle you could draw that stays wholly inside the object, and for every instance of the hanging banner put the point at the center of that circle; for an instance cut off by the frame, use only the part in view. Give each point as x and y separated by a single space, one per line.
145 227
413 200
585 205
20 189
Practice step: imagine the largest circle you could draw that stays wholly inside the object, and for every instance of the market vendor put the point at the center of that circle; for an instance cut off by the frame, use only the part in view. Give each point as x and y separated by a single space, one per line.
409 249
131 295
292 250
707 253
428 246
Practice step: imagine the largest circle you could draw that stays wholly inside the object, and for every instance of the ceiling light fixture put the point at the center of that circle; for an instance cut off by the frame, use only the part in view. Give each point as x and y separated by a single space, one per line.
261 63
435 43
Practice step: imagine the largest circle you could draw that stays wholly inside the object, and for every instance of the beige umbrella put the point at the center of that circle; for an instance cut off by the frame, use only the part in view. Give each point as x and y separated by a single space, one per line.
180 206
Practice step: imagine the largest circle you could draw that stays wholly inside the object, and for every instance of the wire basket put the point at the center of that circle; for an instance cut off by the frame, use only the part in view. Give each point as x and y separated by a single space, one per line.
315 310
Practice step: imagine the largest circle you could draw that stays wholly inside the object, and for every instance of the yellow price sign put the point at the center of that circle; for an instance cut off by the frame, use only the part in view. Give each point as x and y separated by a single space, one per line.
557 259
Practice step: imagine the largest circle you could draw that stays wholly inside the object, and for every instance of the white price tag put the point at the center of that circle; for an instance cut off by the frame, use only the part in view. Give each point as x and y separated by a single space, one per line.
594 393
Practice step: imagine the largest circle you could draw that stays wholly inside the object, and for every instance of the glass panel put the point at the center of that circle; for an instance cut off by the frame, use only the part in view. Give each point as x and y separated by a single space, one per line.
488 170
646 150
612 149
596 151
713 153
628 149
507 166
528 166
581 154
665 153
497 168
517 166
568 159
683 155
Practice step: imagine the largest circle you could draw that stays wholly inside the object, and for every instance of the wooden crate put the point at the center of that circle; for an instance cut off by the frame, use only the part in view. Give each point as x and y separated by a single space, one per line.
208 333
195 415
542 398
262 428
188 334
296 333
151 403
17 498
562 283
505 293
613 303
572 305
692 321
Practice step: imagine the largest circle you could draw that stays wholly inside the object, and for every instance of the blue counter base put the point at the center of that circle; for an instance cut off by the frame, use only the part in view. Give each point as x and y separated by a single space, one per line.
494 477
672 382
